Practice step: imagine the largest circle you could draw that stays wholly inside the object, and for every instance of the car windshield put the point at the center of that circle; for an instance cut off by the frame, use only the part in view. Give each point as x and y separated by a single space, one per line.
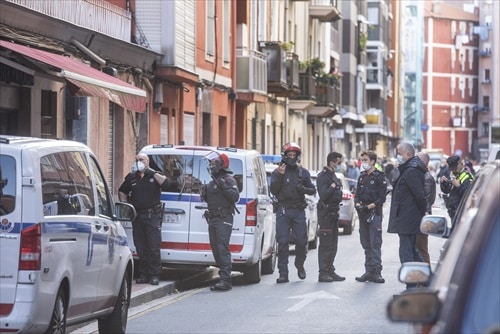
188 173
7 184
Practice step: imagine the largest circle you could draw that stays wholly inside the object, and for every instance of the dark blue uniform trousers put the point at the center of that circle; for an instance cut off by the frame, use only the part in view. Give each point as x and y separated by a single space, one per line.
295 220
370 236
219 233
147 240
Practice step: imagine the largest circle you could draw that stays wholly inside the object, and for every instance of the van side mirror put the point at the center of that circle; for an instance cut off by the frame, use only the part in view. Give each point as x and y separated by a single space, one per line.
434 225
124 211
415 273
417 306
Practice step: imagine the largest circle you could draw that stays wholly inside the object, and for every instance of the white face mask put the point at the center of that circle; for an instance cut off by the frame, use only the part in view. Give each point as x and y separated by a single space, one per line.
365 166
140 166
400 159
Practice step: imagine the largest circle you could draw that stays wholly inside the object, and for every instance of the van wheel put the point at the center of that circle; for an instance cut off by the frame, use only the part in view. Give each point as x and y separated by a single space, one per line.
269 264
116 322
57 323
252 273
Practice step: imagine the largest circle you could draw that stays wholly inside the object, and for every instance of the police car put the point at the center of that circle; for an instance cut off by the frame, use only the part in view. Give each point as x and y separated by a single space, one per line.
185 242
59 268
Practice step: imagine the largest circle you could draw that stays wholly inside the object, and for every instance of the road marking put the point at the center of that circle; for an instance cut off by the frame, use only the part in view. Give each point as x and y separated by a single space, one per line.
309 297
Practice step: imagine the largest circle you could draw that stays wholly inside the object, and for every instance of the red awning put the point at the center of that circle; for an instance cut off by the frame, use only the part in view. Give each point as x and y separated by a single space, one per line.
89 81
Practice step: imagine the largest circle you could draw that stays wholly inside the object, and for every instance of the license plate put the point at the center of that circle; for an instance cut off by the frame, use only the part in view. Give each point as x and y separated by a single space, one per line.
171 218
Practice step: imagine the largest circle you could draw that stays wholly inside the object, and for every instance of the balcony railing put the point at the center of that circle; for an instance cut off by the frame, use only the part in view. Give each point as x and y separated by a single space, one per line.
307 86
324 10
251 68
96 15
325 96
282 70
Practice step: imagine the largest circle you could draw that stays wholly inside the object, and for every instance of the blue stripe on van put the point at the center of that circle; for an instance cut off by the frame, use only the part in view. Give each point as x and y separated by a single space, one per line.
193 198
76 227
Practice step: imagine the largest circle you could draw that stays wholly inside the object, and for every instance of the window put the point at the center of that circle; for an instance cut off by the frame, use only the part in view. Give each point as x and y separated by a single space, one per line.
7 184
210 29
226 40
66 184
49 114
487 77
486 101
188 173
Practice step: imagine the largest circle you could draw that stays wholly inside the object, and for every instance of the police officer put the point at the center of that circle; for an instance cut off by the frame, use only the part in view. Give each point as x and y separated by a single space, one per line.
369 199
142 188
221 194
289 183
455 186
330 196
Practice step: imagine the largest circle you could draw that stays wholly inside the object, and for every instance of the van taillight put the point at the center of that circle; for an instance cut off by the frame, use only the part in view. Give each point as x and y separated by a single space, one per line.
251 216
30 257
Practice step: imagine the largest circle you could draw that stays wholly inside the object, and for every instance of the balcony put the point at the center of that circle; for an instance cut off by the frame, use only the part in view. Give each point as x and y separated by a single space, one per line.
251 75
481 108
324 10
484 53
306 98
327 100
96 15
282 70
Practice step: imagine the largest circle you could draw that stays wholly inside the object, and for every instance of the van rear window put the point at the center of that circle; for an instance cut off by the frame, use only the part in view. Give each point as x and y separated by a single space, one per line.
188 173
7 184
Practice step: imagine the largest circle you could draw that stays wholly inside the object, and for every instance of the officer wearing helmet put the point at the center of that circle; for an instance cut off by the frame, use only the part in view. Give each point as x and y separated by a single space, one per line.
220 194
289 183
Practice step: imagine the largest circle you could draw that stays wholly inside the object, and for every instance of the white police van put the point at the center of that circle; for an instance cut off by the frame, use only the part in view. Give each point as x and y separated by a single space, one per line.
64 253
185 241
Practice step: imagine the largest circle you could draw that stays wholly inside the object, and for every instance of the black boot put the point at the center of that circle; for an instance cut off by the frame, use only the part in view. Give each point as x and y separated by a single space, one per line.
376 277
282 279
363 278
221 286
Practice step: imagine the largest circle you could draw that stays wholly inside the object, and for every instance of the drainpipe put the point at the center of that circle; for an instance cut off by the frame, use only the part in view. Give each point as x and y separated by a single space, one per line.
88 52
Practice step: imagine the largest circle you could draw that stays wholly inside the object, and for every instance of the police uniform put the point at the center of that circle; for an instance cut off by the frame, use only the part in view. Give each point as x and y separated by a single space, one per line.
144 194
455 194
289 189
328 218
221 194
372 188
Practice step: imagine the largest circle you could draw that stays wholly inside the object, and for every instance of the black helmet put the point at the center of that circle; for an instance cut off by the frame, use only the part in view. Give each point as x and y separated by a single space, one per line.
289 147
219 161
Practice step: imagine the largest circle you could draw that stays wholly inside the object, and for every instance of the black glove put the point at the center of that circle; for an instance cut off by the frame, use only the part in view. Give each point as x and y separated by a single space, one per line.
149 172
301 189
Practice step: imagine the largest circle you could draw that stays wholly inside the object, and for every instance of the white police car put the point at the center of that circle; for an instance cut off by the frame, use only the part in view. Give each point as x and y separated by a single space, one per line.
64 257
185 242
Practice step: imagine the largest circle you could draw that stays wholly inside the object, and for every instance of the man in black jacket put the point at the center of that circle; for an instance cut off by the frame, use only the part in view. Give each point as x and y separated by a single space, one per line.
289 183
408 202
369 200
330 196
221 194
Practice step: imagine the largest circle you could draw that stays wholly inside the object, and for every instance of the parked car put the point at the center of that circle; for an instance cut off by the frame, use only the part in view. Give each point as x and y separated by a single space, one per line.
185 242
347 214
463 294
311 211
60 268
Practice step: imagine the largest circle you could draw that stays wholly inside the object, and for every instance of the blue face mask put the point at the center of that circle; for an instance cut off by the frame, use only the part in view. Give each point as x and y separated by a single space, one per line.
338 169
400 159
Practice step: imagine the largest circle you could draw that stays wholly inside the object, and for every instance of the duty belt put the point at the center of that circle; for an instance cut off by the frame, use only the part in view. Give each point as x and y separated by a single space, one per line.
154 209
217 213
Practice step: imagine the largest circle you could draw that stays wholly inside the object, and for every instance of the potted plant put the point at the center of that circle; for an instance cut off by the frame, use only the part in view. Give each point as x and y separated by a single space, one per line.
287 46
